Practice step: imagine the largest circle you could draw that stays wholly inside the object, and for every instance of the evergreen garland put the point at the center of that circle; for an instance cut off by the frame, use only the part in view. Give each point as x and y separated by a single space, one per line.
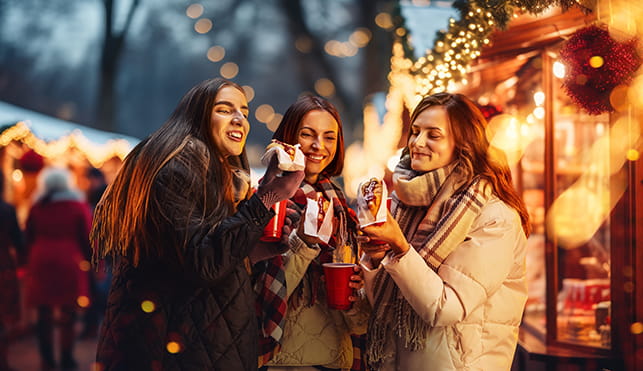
456 48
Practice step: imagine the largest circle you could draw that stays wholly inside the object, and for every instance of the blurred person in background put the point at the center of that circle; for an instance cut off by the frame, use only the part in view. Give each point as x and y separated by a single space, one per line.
99 278
314 335
12 252
57 233
179 221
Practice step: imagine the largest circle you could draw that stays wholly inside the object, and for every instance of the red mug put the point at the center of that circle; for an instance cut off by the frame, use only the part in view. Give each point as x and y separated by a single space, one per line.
272 232
338 277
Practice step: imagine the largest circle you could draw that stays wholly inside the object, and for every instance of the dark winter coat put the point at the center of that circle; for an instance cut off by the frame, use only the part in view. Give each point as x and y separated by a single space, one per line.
10 237
197 314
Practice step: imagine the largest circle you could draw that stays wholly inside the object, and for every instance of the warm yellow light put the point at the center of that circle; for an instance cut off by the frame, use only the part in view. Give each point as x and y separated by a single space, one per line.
203 25
229 70
84 266
82 301
148 306
325 87
264 113
383 20
559 70
17 175
636 328
632 154
194 11
173 347
539 98
216 53
596 61
250 92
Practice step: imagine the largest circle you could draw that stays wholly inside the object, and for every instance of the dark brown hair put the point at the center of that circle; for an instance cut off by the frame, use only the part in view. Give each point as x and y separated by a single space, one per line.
472 148
288 129
123 215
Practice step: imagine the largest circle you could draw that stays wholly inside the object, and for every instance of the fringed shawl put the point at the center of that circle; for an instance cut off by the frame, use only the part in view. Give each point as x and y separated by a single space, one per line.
435 211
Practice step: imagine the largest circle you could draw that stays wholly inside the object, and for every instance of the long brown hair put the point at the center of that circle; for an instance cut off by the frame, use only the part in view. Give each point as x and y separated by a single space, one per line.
122 217
288 129
472 148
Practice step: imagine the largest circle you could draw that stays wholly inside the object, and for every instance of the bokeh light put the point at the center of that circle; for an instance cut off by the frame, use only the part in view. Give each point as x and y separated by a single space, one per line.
250 92
596 61
324 87
216 53
304 44
383 20
194 11
229 70
82 301
148 306
173 347
264 113
84 265
203 25
636 328
273 124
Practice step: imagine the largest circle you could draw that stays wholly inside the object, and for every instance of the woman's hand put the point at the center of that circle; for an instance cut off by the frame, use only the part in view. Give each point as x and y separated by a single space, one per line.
277 185
388 232
357 282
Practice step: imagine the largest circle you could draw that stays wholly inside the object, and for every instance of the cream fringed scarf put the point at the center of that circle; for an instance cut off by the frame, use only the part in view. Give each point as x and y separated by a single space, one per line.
435 220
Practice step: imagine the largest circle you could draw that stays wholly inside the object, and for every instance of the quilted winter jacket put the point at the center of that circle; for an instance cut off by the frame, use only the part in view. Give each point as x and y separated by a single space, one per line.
197 314
474 304
316 335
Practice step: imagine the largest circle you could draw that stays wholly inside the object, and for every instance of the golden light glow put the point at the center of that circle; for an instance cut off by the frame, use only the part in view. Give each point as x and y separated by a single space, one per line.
82 301
383 20
324 87
250 92
194 11
173 347
148 306
632 154
360 37
84 266
559 70
96 366
273 124
229 70
203 25
216 53
264 113
596 61
17 175
96 154
636 328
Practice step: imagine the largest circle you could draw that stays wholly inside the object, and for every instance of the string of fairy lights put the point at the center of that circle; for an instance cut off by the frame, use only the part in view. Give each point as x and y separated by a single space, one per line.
446 64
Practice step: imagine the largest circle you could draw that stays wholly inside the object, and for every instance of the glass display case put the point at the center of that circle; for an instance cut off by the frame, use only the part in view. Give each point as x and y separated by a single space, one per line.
574 181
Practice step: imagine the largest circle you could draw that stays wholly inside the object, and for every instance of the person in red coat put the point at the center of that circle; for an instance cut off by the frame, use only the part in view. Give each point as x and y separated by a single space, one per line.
57 233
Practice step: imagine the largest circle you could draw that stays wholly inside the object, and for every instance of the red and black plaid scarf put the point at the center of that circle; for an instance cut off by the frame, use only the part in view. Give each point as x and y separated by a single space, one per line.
271 302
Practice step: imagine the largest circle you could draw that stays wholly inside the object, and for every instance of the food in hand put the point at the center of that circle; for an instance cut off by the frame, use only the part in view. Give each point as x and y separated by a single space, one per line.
323 204
288 148
371 191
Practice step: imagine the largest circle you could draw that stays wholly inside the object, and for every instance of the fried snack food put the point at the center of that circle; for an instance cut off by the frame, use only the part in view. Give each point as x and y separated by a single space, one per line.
323 204
288 148
371 192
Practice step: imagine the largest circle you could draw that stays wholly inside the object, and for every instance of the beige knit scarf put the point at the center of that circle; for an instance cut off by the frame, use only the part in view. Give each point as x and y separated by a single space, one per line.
435 211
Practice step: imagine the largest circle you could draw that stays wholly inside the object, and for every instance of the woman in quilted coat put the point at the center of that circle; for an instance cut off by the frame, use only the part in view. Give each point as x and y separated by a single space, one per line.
450 292
179 222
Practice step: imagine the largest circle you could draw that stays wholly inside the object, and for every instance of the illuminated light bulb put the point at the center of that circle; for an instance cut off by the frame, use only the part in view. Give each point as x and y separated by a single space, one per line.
539 112
596 61
559 69
539 98
173 347
148 306
632 154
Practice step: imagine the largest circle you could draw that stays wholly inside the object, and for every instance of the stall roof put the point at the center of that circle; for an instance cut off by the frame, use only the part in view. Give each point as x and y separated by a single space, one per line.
50 128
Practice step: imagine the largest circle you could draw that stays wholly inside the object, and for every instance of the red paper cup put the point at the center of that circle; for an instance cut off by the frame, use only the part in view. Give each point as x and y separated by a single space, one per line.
272 232
337 290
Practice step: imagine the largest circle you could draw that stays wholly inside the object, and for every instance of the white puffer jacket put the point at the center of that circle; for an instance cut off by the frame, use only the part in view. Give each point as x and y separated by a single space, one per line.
474 304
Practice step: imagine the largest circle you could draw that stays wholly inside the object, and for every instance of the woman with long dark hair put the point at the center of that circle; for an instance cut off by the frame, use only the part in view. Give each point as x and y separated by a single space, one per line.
179 222
448 290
